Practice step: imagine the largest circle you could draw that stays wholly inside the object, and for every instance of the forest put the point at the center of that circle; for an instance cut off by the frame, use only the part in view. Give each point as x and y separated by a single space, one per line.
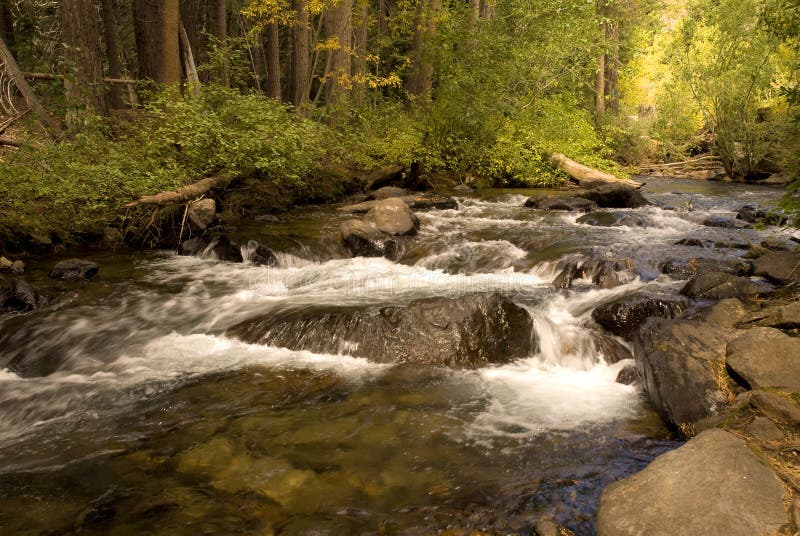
107 101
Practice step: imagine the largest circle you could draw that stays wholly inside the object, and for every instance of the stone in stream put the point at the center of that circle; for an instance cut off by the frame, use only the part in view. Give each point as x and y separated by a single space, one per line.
393 217
728 313
603 271
386 192
467 332
609 195
202 213
713 485
766 357
259 255
719 285
17 295
780 266
682 365
220 248
624 316
725 223
463 189
414 202
628 375
752 214
570 204
686 268
74 270
362 239
613 219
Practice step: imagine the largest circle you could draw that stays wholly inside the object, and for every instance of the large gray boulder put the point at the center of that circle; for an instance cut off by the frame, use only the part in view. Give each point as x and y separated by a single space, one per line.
720 285
780 266
566 203
681 363
714 485
766 357
610 195
467 332
393 217
624 316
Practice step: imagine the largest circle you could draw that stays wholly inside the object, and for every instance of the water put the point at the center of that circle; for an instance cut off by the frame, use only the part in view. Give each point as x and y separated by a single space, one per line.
151 419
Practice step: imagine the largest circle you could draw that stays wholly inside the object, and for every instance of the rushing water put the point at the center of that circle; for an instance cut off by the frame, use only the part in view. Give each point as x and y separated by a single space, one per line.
154 421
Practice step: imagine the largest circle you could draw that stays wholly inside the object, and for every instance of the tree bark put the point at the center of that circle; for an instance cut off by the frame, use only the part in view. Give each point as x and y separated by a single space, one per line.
273 61
7 26
112 51
169 71
299 86
421 81
146 24
82 40
612 67
600 88
338 26
221 8
189 65
581 173
359 60
13 72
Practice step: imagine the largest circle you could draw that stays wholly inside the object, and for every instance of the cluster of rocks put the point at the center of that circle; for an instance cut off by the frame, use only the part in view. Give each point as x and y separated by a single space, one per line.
19 296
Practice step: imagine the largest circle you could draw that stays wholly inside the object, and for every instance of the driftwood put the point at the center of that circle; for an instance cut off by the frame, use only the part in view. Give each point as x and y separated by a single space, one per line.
384 176
189 66
5 140
181 195
581 173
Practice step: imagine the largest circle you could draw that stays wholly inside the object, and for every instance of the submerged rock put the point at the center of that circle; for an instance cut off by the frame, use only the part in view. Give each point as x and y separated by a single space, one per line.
17 295
393 217
719 285
766 357
624 316
572 204
74 270
467 332
259 255
712 485
724 222
613 219
220 248
683 268
614 196
682 364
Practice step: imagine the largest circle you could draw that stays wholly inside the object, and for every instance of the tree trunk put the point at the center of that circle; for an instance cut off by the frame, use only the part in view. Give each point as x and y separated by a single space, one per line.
359 60
273 61
7 26
337 73
13 72
600 89
299 86
146 24
582 173
612 67
421 81
82 39
169 71
222 34
112 51
189 65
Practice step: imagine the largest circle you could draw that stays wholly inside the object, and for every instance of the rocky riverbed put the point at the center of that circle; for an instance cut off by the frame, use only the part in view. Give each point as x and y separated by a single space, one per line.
604 360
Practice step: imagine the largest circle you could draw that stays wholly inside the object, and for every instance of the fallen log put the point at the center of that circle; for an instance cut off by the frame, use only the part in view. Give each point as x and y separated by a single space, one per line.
181 195
384 176
581 173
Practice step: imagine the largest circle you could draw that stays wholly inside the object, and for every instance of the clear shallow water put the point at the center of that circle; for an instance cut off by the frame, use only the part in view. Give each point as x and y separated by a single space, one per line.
155 421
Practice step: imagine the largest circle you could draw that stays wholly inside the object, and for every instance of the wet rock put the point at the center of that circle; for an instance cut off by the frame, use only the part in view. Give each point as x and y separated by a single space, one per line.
602 271
726 313
763 429
463 189
724 223
202 213
568 274
613 351
719 285
712 485
466 332
12 267
766 357
613 219
628 375
259 255
215 247
431 202
393 217
752 214
572 204
780 266
685 268
614 196
74 270
774 244
17 295
362 239
387 192
695 242
681 363
624 316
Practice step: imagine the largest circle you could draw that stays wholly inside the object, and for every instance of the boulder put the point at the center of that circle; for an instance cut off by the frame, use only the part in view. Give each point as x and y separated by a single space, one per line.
13 267
752 214
773 406
613 219
259 255
602 271
624 316
613 350
781 316
431 202
681 363
686 268
74 270
724 223
388 191
726 313
467 332
5 264
463 189
763 430
393 217
713 485
765 357
215 247
572 204
719 285
17 295
362 239
568 274
775 244
780 266
611 195
202 213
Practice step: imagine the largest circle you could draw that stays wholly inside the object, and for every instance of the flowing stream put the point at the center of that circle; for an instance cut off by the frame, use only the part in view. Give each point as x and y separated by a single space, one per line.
151 420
